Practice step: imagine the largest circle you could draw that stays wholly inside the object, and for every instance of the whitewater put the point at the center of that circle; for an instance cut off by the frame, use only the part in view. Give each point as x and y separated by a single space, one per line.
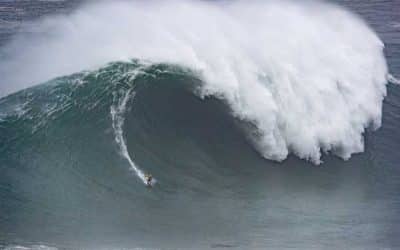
309 77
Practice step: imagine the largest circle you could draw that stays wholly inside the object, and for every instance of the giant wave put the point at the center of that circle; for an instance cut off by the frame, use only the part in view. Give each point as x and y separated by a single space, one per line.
309 78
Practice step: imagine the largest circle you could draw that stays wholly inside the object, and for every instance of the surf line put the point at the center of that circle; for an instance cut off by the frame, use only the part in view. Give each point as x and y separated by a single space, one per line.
117 111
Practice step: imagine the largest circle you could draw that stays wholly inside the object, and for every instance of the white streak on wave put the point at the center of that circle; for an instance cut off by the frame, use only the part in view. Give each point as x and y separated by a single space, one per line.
117 112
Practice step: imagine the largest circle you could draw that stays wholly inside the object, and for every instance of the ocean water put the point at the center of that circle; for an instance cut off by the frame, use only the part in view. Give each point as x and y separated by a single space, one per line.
266 124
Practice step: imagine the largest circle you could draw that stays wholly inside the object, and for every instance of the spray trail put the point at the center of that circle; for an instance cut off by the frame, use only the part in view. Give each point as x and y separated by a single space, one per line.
117 114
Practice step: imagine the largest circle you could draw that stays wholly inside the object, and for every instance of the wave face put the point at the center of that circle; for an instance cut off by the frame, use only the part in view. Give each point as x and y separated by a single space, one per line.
135 103
67 146
309 77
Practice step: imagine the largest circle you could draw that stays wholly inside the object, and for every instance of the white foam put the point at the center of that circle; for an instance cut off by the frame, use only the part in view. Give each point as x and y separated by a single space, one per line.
393 79
33 247
311 76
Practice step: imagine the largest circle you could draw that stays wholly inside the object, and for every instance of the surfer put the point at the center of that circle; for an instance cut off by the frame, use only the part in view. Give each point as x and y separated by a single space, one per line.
149 178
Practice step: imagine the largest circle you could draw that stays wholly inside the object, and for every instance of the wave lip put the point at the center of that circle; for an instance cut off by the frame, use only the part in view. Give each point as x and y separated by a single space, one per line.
310 77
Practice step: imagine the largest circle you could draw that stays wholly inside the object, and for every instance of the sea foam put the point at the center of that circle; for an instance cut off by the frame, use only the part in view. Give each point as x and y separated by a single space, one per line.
310 77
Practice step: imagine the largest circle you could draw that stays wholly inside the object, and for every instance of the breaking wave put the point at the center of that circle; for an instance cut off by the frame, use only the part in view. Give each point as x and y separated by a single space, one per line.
308 77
